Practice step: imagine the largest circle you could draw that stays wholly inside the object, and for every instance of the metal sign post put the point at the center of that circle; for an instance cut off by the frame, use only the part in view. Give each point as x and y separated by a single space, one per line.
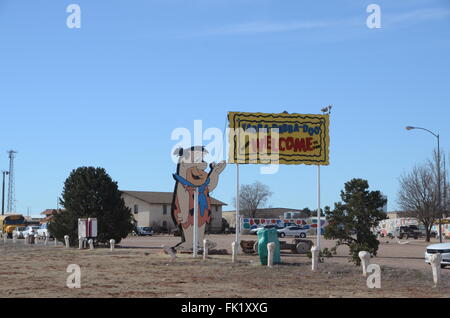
318 207
238 218
195 236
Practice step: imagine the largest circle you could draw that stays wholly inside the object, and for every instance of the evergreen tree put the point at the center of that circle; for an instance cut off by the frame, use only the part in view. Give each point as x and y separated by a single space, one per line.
352 221
90 192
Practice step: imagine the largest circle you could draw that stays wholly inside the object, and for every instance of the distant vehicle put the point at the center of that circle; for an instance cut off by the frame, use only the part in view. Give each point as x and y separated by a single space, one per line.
31 229
423 231
443 249
409 231
143 231
231 230
9 222
268 226
295 231
18 231
43 232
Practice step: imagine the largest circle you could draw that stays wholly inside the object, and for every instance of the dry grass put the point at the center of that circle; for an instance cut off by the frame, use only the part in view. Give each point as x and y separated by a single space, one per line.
40 271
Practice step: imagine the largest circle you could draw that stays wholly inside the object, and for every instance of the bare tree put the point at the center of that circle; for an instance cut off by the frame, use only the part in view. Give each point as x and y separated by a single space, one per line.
417 197
252 197
440 181
446 192
419 194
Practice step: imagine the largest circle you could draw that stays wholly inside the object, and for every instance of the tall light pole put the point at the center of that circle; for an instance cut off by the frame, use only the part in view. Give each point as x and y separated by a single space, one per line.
325 111
5 173
438 175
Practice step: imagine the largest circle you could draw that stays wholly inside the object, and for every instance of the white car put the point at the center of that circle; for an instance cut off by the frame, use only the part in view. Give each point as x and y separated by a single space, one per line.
30 229
268 226
18 231
295 231
43 232
443 249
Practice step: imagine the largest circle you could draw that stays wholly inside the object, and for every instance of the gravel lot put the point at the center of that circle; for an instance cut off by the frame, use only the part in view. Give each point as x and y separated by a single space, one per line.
139 268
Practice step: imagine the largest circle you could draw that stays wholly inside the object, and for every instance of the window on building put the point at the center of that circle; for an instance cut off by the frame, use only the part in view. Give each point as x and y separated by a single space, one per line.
164 225
164 209
136 209
217 208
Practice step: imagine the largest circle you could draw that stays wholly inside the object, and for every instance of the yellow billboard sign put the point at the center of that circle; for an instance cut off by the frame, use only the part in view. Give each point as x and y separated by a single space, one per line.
261 138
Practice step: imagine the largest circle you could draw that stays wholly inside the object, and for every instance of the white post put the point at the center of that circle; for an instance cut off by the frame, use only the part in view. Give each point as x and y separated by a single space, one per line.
56 241
91 244
315 257
205 249
4 239
111 244
195 236
66 240
238 217
365 260
80 243
233 252
271 250
46 239
14 237
318 207
435 261
26 238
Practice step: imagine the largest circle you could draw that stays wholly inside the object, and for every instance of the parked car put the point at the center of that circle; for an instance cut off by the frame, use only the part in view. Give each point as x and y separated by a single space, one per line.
42 231
30 229
143 231
18 231
423 232
295 231
268 226
409 231
443 249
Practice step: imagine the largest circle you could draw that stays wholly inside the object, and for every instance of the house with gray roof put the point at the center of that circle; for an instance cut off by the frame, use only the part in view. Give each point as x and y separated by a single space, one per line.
154 209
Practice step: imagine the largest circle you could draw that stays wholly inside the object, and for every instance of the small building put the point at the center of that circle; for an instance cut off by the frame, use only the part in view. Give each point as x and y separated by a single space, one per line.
33 221
395 214
154 209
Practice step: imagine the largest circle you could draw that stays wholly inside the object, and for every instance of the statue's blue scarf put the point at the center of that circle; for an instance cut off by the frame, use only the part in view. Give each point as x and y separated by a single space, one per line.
202 202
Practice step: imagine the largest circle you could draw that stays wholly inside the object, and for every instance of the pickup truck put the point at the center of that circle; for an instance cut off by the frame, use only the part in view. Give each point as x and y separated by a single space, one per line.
409 231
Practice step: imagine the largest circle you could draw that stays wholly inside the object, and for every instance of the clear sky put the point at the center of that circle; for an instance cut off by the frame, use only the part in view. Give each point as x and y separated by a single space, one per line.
110 93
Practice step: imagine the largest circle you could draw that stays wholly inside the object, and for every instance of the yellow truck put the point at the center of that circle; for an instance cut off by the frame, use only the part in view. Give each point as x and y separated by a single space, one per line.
9 222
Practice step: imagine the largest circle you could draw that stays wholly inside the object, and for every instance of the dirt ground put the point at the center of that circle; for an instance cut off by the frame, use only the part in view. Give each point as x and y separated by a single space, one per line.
139 268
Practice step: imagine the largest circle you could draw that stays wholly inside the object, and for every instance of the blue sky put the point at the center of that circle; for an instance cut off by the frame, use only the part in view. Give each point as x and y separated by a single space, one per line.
110 94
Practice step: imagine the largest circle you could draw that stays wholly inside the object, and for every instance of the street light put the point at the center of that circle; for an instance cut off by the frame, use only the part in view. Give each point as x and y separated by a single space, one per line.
439 174
3 191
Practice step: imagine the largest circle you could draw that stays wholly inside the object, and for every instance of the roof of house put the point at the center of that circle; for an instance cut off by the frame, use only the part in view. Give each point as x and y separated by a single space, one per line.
268 213
160 197
48 212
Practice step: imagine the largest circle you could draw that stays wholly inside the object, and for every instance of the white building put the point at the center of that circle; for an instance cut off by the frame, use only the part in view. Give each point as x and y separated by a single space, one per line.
154 209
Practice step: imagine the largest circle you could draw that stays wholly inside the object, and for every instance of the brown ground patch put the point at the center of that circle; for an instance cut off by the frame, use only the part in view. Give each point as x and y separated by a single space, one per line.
142 271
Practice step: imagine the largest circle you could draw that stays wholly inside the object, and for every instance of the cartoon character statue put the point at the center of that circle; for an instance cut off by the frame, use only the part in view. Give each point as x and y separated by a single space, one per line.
191 175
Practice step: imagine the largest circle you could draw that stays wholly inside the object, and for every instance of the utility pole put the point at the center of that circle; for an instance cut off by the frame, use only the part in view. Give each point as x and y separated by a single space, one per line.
11 186
4 173
439 191
445 209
